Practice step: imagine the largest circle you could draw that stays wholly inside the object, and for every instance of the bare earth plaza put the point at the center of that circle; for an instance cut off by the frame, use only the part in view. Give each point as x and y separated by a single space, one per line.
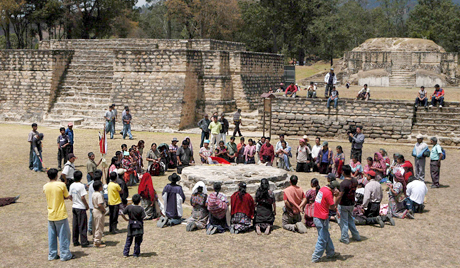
188 150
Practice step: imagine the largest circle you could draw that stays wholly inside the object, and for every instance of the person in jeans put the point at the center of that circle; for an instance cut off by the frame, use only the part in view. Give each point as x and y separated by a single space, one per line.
58 224
79 208
237 122
422 98
203 124
438 96
419 152
311 90
435 163
63 150
346 201
127 125
330 79
357 141
33 133
334 97
224 130
109 116
324 202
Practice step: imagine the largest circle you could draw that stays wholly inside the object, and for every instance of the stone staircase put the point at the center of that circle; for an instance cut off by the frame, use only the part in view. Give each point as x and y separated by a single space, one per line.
402 77
443 123
250 122
84 94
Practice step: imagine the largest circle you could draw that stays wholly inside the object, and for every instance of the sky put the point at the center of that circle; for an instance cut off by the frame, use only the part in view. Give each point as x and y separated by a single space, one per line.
140 3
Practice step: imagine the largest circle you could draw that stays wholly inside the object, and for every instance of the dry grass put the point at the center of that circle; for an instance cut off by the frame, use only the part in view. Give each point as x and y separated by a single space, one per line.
302 72
429 240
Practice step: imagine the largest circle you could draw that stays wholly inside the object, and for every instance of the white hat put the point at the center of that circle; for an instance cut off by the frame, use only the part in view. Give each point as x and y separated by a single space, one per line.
419 136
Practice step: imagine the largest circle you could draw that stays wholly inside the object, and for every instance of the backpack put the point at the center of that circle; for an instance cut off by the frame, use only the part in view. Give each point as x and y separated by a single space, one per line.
443 154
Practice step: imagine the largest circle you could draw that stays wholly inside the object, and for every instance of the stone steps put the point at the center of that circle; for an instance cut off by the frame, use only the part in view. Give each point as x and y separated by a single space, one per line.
436 128
433 115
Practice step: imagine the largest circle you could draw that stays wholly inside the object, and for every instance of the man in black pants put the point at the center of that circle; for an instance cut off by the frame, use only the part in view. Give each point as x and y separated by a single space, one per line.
237 122
357 140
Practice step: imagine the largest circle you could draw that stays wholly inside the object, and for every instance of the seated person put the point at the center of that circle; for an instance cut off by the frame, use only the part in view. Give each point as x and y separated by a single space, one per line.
371 203
184 156
415 192
334 96
422 98
396 197
408 170
294 203
205 153
438 96
291 91
221 151
357 170
265 208
242 210
267 153
173 197
364 93
250 152
280 88
217 207
232 149
284 153
200 213
325 160
149 198
311 90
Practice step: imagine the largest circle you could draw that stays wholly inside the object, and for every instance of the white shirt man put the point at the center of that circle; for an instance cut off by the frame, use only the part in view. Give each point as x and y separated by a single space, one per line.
420 160
416 191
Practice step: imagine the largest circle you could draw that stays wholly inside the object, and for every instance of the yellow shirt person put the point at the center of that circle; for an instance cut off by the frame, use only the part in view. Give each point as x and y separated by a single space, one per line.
114 190
55 192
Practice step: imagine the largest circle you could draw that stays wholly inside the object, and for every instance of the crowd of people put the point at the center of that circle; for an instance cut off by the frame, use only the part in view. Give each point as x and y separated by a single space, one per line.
352 195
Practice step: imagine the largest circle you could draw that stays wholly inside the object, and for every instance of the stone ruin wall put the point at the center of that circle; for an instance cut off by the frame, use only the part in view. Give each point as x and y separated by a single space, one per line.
166 83
382 120
442 66
29 80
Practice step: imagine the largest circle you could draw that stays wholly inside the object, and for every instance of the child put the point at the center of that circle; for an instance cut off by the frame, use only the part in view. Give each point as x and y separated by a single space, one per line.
136 215
114 191
79 208
98 214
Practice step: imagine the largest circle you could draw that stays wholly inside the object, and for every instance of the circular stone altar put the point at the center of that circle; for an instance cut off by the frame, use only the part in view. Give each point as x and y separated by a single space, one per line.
231 175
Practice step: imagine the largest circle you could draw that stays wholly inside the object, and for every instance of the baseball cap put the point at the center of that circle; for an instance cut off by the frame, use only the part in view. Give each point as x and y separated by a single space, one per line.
371 173
71 155
325 143
70 124
206 141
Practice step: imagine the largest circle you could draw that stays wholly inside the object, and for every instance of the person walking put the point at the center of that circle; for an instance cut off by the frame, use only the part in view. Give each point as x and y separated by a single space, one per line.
33 133
435 163
109 116
346 201
203 124
127 125
237 122
115 116
323 203
69 132
224 130
58 223
419 152
357 140
330 79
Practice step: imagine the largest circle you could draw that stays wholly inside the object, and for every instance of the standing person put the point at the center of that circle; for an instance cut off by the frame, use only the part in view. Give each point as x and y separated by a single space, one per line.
315 152
98 213
127 125
71 135
30 139
357 140
237 122
330 79
172 153
114 191
215 127
69 169
58 224
97 176
250 152
224 130
240 147
435 163
294 204
122 114
79 208
323 203
438 96
37 152
62 143
334 97
267 153
303 155
115 116
109 122
232 149
364 93
203 124
91 166
419 152
258 146
422 98
346 201
136 215
325 160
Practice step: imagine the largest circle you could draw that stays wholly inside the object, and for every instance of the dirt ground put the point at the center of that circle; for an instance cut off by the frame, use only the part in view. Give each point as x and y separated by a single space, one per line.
432 239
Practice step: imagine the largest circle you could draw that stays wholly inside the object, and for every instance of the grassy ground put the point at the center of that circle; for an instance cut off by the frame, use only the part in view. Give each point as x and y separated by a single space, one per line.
302 72
432 239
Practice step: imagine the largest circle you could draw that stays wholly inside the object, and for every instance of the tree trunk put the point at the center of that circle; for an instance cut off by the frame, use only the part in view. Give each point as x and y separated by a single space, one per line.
39 29
7 36
169 30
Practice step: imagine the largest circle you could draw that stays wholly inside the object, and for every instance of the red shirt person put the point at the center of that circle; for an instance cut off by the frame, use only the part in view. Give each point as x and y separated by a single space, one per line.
438 96
267 152
291 90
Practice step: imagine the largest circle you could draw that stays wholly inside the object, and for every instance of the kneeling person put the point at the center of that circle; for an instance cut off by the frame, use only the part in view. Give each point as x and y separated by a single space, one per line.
242 210
294 201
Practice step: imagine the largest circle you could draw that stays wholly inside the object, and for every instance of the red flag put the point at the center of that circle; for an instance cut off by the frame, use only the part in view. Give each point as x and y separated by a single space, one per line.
103 143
